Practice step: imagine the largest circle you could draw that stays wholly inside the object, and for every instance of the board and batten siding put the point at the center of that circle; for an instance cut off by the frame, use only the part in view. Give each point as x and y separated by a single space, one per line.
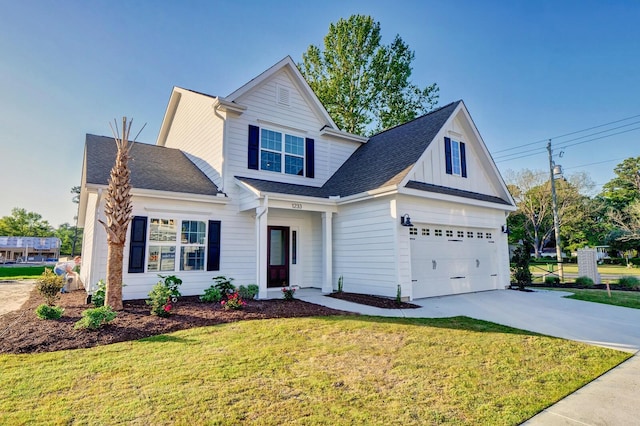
364 245
431 168
297 119
198 132
87 242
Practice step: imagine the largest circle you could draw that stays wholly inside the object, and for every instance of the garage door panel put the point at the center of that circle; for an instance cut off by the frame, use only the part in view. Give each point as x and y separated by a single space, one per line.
451 261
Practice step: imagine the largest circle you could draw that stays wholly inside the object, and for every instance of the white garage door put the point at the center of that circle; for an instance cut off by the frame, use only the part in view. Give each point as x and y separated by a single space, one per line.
451 260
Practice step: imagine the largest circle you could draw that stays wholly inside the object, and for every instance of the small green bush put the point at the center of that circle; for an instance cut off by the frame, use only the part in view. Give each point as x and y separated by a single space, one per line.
551 279
160 300
95 318
584 281
172 283
98 297
49 285
340 284
629 282
224 284
288 293
233 302
211 295
249 292
47 312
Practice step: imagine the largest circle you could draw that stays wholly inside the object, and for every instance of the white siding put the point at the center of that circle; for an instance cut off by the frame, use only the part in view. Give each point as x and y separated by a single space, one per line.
87 240
197 131
364 248
480 177
297 119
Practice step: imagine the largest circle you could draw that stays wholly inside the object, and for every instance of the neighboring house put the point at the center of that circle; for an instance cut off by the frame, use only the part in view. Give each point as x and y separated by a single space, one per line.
263 187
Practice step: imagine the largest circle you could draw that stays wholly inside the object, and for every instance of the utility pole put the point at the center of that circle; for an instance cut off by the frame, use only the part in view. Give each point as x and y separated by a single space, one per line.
556 220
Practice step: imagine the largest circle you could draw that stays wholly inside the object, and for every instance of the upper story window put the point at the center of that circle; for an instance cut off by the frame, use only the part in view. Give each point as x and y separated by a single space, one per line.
455 157
280 152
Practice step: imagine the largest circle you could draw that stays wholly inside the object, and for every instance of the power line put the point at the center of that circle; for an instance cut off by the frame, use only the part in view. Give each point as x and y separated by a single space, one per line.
569 134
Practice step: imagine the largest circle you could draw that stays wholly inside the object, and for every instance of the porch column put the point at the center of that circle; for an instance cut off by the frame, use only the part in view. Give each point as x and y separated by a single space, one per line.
327 252
261 250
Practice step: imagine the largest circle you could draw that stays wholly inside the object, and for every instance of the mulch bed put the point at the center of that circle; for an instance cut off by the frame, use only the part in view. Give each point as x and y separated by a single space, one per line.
23 332
376 301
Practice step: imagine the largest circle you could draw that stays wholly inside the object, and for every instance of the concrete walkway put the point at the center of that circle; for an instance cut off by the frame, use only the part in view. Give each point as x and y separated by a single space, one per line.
608 400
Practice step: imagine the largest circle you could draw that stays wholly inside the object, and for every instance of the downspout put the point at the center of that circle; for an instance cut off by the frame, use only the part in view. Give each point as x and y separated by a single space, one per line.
223 170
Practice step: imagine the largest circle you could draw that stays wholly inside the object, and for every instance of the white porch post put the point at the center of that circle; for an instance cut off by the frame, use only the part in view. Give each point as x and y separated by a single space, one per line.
327 252
261 251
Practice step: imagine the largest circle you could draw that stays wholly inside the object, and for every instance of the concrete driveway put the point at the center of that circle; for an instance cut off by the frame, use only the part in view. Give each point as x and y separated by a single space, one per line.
545 312
13 294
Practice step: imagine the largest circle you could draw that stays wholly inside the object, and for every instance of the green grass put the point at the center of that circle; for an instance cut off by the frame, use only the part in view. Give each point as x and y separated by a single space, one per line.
627 299
572 268
308 371
21 272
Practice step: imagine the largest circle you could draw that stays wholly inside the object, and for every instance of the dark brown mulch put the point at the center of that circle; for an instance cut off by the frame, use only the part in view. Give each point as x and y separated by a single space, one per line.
376 301
23 332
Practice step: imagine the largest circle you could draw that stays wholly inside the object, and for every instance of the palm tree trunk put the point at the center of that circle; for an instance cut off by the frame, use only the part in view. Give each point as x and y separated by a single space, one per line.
113 293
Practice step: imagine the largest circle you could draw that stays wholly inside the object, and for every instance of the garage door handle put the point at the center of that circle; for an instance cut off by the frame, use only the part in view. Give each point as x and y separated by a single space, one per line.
457 278
414 281
494 275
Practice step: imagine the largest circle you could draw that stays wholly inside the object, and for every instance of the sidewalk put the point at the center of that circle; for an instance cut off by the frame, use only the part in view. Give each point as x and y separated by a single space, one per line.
13 294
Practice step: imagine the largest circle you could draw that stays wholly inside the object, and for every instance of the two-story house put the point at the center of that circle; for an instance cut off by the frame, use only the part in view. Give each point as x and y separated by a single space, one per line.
263 187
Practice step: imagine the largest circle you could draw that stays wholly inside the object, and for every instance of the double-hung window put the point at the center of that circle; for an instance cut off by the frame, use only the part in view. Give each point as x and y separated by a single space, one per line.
164 245
281 152
455 157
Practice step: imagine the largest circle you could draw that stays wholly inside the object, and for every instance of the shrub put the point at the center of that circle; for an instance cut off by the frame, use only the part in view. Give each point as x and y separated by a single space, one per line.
98 296
552 280
172 283
399 295
249 292
160 300
95 318
340 284
288 292
233 302
47 312
224 284
629 282
211 295
49 285
584 281
520 273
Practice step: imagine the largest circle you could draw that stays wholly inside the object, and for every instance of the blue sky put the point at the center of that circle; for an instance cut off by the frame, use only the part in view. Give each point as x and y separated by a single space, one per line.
527 71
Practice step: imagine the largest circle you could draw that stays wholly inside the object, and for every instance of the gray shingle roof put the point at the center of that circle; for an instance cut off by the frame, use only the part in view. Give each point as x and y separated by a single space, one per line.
152 167
284 188
388 156
453 191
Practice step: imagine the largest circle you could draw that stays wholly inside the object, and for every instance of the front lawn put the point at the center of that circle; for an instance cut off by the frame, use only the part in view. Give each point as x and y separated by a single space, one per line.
307 371
21 272
627 299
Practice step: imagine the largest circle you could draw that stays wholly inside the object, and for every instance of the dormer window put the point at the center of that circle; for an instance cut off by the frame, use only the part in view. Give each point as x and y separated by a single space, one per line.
455 157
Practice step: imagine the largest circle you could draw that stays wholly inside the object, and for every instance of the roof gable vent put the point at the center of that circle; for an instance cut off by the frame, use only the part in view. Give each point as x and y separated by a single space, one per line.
282 95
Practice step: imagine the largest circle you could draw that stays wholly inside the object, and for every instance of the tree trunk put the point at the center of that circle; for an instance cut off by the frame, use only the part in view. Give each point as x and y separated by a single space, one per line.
113 293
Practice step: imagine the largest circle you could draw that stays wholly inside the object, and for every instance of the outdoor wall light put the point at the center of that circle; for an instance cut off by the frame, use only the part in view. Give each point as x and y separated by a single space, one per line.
505 229
405 220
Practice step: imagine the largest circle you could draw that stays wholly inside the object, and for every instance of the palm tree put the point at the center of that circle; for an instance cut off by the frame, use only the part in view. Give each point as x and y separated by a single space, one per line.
118 214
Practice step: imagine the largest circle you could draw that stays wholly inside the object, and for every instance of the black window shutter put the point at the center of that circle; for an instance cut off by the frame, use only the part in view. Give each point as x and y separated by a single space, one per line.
310 159
138 244
447 155
213 249
254 147
463 160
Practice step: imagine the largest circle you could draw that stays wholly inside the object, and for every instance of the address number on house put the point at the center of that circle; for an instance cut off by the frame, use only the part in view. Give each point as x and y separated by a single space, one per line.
297 206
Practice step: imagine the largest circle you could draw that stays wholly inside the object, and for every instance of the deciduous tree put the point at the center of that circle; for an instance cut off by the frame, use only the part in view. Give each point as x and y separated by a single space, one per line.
22 223
361 81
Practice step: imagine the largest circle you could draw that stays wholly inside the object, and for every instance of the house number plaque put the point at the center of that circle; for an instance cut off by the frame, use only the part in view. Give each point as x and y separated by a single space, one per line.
297 206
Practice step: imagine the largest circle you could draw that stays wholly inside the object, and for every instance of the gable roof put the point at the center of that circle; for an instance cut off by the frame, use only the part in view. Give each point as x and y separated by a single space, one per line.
158 168
388 156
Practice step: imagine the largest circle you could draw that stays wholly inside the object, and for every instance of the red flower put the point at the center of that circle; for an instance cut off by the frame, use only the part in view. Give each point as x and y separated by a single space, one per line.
167 308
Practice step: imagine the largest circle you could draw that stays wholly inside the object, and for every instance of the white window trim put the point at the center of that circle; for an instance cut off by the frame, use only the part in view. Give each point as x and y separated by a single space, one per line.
283 154
456 158
177 244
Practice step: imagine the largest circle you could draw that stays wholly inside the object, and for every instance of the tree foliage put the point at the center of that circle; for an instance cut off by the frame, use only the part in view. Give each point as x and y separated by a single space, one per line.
533 221
360 81
22 223
624 188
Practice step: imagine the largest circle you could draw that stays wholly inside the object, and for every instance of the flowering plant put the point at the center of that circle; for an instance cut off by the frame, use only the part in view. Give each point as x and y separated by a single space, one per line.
233 302
287 293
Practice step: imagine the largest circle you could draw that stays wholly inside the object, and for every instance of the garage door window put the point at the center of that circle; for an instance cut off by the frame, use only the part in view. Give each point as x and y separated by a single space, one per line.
438 232
425 232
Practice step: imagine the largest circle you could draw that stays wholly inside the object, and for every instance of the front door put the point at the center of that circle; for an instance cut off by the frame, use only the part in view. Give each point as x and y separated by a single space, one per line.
278 256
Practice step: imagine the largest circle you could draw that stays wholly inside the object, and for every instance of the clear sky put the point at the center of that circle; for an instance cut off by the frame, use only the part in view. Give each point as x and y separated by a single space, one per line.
527 71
